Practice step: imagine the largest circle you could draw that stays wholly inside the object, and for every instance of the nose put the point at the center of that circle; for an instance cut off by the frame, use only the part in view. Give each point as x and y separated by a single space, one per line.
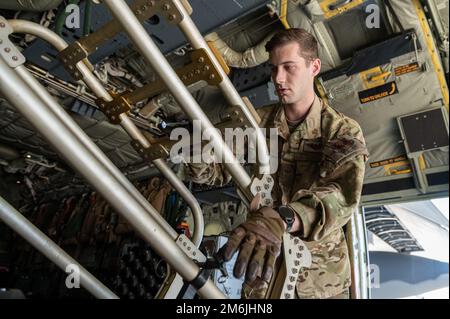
279 77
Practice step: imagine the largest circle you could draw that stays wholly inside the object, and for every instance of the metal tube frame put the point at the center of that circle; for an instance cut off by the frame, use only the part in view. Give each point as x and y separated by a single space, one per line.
23 26
97 174
191 32
139 37
51 250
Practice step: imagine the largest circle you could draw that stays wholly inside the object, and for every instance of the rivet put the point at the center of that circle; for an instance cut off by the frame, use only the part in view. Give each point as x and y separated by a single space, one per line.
172 17
294 270
15 58
166 7
299 255
290 287
189 248
7 50
2 25
292 278
287 296
212 77
206 68
201 59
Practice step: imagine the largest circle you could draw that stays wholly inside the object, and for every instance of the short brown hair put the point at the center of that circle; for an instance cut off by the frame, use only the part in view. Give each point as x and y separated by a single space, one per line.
308 44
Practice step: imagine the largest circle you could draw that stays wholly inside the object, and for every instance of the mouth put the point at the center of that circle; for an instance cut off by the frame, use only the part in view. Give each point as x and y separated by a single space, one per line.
282 91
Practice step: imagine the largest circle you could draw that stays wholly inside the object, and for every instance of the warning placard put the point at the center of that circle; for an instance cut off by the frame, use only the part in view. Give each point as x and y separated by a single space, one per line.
403 69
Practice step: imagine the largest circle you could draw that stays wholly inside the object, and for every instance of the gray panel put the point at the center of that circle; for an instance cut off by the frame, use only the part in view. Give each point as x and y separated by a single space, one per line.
425 131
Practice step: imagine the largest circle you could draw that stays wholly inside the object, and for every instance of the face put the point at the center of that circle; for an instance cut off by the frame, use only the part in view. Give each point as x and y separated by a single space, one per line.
293 78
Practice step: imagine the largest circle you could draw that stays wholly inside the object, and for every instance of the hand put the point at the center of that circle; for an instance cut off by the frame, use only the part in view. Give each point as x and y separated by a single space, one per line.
259 240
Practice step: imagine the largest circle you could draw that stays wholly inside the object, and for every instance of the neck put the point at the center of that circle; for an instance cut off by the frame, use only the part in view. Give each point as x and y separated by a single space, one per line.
299 109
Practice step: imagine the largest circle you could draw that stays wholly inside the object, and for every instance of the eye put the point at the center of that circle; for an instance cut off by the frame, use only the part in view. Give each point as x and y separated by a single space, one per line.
291 67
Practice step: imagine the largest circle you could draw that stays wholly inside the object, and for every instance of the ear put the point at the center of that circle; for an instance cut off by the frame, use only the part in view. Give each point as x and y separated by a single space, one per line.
315 67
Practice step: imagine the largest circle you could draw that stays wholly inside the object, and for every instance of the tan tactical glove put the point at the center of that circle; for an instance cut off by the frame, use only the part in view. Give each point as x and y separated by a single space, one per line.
259 240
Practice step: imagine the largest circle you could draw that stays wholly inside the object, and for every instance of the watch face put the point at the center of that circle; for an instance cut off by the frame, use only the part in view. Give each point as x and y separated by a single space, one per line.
286 212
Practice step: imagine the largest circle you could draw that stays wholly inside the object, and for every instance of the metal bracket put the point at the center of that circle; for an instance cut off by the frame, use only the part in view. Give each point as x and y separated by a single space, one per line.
143 9
154 152
201 68
70 56
8 51
296 255
263 186
113 109
190 249
234 118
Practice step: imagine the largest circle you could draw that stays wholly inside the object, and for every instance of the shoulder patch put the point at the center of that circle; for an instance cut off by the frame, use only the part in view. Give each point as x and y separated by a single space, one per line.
341 150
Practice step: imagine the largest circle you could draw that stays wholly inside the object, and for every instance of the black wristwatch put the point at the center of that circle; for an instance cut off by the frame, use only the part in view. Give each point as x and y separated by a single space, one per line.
288 215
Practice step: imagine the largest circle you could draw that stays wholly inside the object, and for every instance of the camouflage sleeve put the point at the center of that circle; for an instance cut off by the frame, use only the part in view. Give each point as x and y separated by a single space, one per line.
329 204
209 174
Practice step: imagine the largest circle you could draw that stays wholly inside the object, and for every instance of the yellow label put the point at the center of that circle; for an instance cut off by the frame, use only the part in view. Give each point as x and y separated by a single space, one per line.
331 8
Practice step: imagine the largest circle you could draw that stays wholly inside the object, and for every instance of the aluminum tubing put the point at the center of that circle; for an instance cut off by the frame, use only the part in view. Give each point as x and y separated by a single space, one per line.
47 247
23 26
90 146
16 91
139 37
194 36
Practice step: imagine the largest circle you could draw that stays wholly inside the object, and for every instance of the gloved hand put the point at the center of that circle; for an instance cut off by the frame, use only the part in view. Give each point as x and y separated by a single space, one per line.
259 240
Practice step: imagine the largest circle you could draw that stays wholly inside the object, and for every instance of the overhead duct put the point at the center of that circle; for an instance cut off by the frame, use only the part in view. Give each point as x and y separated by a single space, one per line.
250 58
29 5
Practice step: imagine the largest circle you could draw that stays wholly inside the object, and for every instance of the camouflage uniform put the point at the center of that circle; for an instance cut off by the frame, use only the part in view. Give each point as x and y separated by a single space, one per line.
320 175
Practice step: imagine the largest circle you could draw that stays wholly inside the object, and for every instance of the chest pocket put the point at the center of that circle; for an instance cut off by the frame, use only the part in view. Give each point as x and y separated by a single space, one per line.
307 161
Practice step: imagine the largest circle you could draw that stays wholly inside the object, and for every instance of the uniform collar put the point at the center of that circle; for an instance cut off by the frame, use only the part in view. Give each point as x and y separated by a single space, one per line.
310 127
